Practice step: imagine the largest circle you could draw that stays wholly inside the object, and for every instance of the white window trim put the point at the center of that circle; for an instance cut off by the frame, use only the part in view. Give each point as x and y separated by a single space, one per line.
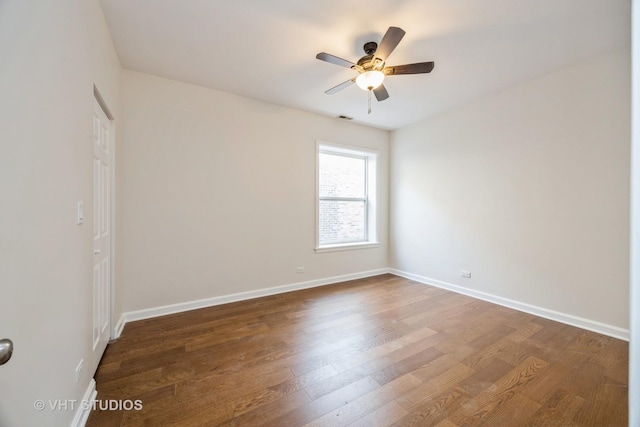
346 246
371 190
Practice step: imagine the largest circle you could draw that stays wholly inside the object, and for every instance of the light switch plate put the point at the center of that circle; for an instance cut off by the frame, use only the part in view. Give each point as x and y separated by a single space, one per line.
80 213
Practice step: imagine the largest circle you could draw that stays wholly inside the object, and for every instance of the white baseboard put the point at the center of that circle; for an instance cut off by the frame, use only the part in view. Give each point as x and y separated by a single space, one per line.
83 411
590 325
241 296
118 328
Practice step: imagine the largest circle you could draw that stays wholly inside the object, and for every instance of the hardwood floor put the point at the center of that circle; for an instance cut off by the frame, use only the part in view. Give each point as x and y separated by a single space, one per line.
382 351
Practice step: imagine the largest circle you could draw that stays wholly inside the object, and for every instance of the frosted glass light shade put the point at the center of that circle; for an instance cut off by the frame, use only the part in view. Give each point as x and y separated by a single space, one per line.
370 80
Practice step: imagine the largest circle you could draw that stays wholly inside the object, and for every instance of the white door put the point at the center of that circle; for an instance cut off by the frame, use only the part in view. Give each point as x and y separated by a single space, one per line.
101 231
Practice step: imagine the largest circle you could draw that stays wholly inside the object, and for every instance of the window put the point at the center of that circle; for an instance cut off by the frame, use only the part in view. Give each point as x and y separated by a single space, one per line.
346 198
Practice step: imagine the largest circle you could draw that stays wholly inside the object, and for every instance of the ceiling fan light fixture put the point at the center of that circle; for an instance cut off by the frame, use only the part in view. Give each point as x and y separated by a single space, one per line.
370 80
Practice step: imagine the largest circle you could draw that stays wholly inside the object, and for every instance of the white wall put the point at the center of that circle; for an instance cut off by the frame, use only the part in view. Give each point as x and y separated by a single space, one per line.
634 348
219 194
528 189
51 55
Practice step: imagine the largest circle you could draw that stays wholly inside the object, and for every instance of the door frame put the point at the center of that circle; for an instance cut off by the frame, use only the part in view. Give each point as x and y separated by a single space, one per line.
634 285
113 332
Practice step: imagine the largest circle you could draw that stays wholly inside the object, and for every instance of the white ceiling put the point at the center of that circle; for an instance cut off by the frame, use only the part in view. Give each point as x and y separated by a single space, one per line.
265 49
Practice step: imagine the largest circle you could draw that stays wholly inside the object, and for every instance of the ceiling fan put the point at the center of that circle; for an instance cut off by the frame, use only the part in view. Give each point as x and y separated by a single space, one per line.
371 67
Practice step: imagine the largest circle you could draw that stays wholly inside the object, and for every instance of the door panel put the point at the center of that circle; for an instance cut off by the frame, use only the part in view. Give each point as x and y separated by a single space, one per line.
101 231
104 297
97 278
96 199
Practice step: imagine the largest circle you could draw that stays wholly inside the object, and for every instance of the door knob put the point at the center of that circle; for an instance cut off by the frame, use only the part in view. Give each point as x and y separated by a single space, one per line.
96 252
6 349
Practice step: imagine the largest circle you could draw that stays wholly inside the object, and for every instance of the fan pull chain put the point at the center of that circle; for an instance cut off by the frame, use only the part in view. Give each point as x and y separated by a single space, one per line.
369 102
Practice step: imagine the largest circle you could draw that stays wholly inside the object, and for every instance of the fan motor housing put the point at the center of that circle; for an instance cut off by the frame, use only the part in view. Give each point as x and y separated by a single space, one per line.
368 63
365 61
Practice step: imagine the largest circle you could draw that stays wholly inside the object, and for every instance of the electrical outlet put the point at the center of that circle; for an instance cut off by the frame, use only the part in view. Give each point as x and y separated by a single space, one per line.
299 269
466 274
79 370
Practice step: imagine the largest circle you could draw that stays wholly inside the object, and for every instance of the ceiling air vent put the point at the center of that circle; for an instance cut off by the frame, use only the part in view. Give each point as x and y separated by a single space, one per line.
343 117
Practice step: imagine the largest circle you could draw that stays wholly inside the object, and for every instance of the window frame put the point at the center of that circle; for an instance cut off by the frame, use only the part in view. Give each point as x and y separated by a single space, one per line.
370 157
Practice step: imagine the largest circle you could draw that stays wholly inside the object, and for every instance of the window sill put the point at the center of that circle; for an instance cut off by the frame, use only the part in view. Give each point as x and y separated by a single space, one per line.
347 247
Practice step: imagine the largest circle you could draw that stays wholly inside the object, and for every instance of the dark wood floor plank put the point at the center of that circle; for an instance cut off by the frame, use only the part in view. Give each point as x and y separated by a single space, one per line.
559 409
379 351
325 403
372 366
349 360
435 409
490 401
606 407
351 411
407 365
384 416
263 414
426 393
502 412
543 387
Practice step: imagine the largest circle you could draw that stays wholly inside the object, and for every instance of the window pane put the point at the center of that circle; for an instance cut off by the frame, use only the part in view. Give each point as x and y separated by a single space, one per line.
342 221
341 176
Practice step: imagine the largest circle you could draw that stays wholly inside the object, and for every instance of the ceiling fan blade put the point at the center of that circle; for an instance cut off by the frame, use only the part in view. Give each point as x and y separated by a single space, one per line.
418 68
381 93
322 56
339 87
389 42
